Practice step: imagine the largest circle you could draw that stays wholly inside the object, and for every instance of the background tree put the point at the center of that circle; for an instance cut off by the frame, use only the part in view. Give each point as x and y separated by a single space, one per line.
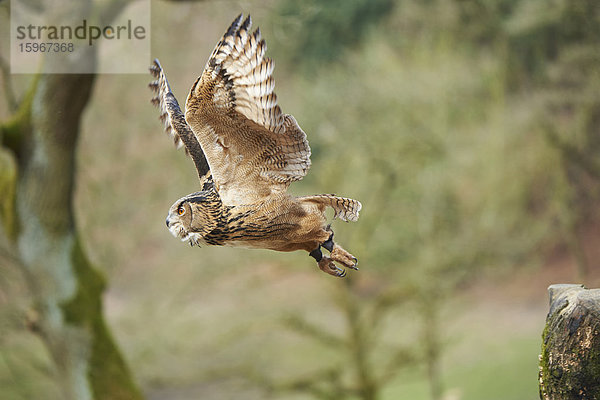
39 230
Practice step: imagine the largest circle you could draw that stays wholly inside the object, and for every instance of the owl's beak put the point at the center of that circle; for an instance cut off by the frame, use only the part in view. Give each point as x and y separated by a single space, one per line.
167 222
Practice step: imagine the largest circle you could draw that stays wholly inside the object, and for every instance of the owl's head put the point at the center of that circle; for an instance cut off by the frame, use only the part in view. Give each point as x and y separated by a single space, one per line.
194 216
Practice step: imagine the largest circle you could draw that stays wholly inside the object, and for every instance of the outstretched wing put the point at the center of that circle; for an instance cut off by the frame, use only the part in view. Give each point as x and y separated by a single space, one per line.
174 121
253 149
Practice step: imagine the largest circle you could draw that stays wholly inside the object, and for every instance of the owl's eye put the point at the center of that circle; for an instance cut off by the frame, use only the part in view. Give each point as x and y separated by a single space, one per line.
181 210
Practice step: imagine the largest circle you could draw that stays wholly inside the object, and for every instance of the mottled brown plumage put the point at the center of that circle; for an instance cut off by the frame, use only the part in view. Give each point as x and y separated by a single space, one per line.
246 152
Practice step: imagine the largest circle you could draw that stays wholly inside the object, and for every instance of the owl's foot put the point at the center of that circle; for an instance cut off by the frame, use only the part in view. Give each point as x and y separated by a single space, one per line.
336 255
327 265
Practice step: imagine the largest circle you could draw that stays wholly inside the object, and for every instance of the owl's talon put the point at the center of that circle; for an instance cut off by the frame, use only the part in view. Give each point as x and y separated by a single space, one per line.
341 256
327 265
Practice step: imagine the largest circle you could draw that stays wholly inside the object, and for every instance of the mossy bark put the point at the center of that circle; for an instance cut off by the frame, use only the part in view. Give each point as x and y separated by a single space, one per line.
8 180
570 359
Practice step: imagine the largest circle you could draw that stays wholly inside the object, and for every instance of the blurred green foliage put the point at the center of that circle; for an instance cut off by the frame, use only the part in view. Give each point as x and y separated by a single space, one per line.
333 26
477 137
462 111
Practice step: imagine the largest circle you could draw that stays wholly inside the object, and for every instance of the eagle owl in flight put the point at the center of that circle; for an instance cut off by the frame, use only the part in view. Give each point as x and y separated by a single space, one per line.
247 152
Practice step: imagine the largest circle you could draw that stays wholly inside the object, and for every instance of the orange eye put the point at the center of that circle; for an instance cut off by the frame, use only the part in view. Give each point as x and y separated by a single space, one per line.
181 210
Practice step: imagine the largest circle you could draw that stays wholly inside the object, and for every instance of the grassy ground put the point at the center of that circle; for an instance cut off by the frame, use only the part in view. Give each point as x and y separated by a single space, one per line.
188 334
491 349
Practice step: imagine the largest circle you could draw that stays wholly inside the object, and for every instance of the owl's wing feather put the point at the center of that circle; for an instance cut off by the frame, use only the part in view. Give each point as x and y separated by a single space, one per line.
174 121
253 149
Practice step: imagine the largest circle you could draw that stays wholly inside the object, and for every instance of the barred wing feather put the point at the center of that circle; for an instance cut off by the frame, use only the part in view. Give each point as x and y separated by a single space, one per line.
174 121
253 149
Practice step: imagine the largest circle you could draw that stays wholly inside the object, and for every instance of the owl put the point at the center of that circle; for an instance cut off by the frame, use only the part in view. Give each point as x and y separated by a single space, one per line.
247 152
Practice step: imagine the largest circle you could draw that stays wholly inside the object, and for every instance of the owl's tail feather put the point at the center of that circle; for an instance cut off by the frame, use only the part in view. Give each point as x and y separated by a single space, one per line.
345 208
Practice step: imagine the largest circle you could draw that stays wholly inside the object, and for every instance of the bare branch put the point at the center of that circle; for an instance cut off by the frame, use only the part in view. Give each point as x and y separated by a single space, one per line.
309 329
324 384
388 300
574 155
402 357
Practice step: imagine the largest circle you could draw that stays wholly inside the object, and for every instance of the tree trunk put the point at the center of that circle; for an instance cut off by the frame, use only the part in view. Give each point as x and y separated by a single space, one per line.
67 288
570 359
36 212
